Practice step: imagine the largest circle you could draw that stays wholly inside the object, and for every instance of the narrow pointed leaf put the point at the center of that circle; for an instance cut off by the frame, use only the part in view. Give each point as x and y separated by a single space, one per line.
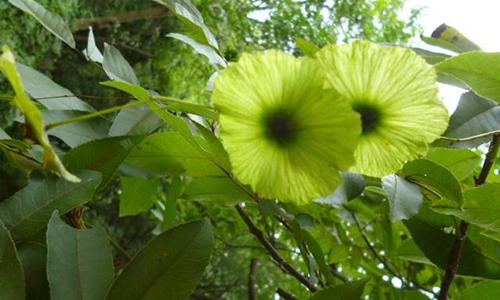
117 67
52 22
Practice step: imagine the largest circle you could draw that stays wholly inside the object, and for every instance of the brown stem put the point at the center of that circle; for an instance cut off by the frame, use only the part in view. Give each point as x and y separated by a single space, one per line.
456 252
274 253
285 295
252 294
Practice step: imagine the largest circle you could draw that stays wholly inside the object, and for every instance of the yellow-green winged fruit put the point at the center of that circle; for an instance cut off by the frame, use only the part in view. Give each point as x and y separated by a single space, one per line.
396 94
286 135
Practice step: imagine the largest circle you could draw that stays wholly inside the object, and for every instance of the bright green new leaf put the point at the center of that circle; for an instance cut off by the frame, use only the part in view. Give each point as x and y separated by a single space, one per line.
138 195
169 267
27 211
11 272
52 22
460 162
79 262
480 71
405 198
34 118
347 291
117 67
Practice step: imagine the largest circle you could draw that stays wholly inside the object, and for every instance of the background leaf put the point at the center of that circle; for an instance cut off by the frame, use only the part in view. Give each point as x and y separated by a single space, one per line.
347 291
488 289
117 67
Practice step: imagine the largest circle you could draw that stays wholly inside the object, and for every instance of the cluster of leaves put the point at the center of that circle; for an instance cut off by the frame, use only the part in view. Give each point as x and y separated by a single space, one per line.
388 238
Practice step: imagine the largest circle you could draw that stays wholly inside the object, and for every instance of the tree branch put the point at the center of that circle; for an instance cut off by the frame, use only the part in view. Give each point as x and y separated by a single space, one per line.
456 252
274 253
285 295
252 294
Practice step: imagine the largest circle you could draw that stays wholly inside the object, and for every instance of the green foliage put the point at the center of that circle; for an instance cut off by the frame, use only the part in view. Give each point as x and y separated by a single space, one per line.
147 149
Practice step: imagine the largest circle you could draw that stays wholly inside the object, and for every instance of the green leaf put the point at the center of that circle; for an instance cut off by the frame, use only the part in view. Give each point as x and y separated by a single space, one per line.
92 53
307 47
169 267
11 273
75 134
488 289
429 56
405 198
347 291
79 262
214 147
52 22
189 14
173 121
460 162
213 56
214 189
480 71
174 192
474 115
480 255
135 121
117 67
481 207
28 211
353 186
449 38
33 116
409 251
138 195
433 178
168 153
33 257
104 156
49 93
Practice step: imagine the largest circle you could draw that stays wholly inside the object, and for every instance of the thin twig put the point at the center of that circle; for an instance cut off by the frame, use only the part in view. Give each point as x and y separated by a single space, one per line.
285 295
470 138
274 253
385 263
461 236
252 293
